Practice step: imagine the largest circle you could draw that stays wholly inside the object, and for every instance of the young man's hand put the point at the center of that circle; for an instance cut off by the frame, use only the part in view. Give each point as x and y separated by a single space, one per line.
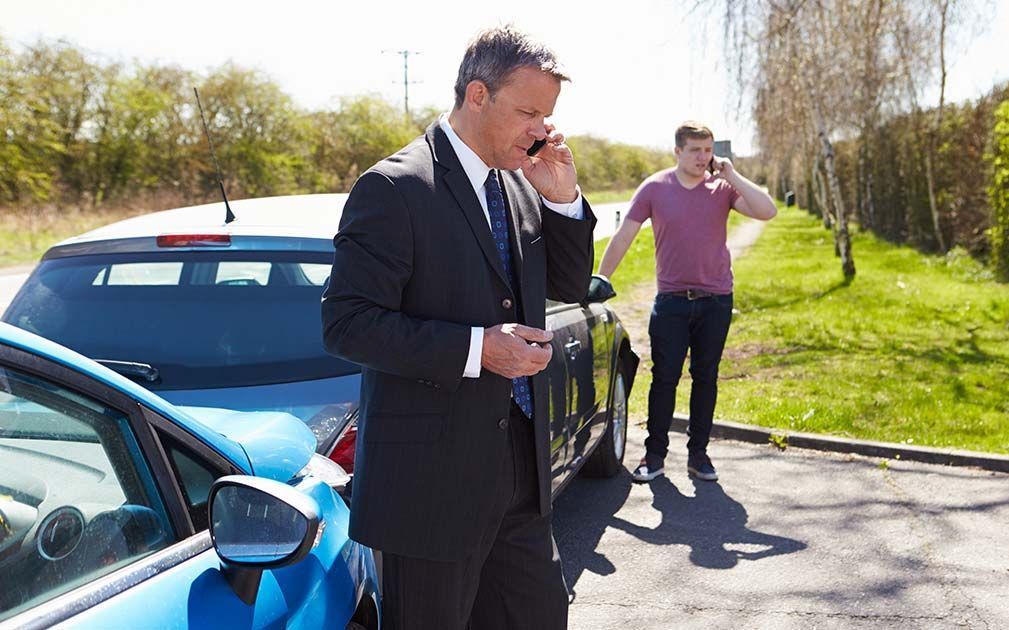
724 168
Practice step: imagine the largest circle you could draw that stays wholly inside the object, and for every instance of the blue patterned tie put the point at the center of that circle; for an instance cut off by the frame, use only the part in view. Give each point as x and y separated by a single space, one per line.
521 392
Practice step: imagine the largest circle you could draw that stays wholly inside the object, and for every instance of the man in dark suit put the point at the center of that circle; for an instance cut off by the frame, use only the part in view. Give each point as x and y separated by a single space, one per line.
445 256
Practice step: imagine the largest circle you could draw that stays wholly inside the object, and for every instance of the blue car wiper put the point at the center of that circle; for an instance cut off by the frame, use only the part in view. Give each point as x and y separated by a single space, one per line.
132 369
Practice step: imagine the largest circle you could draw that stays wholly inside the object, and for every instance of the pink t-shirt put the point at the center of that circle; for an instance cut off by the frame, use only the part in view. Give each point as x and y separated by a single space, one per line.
689 226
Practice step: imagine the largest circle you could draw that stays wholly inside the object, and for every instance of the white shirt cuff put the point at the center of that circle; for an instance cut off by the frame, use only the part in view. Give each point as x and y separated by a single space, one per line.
475 352
574 210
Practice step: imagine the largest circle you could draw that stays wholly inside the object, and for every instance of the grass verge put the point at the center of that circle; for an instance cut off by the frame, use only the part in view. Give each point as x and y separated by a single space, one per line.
24 236
914 350
610 196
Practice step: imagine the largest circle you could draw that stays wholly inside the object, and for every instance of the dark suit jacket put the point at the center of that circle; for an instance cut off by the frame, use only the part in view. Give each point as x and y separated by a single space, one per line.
415 268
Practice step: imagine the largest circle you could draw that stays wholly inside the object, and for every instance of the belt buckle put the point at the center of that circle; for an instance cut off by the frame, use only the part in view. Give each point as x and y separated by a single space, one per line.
693 295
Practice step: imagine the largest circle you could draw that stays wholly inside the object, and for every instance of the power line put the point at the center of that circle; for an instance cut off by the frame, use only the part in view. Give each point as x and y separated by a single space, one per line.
406 76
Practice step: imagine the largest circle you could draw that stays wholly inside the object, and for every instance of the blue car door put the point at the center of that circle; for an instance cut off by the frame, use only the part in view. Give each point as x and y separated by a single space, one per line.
190 591
103 518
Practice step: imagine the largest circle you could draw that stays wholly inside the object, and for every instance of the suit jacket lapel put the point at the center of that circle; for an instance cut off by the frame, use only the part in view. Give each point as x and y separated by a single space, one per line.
462 190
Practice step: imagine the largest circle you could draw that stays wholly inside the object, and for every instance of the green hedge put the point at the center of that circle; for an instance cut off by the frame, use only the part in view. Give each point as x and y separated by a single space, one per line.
998 193
82 132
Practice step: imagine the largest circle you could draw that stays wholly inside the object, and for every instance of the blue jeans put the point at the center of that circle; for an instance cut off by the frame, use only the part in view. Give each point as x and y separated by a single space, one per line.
678 324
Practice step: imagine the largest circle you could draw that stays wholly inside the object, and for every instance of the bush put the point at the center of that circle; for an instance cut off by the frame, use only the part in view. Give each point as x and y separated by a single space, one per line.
998 193
79 132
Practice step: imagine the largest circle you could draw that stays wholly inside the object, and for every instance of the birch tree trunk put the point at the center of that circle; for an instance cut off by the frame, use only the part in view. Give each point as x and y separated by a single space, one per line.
943 7
822 197
842 238
932 205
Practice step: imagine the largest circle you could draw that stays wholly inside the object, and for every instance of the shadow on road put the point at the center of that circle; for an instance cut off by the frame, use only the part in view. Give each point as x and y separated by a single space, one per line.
581 517
711 523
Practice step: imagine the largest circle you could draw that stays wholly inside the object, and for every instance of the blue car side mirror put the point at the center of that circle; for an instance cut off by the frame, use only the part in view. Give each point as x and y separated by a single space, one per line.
259 524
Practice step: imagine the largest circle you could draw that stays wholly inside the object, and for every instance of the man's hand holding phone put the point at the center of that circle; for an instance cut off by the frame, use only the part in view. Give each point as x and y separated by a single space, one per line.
512 350
551 167
721 167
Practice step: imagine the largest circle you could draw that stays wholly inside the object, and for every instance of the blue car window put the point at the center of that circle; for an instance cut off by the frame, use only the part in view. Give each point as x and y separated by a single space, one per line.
195 479
201 319
76 502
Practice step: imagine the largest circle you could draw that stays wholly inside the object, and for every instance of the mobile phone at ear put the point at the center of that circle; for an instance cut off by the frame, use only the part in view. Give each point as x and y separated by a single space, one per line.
533 150
711 166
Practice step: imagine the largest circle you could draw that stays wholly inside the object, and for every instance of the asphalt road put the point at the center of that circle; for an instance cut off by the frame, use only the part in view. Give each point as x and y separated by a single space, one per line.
608 217
10 282
793 539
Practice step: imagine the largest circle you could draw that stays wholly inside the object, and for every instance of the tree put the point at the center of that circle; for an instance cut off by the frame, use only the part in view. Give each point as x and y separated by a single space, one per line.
349 140
260 135
60 82
998 193
851 62
25 174
804 45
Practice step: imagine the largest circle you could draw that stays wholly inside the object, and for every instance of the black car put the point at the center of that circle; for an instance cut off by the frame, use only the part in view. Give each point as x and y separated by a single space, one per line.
209 314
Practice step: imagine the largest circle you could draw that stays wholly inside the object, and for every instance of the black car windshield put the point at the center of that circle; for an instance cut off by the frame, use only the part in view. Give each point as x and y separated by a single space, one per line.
201 319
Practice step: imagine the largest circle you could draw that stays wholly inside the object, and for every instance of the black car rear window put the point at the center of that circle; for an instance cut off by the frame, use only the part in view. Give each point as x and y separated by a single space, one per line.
201 319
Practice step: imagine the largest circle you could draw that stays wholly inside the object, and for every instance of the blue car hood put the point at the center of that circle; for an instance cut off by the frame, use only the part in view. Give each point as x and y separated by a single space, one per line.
277 444
322 404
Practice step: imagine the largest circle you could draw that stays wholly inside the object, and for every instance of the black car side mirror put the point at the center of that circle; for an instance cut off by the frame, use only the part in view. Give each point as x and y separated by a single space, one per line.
600 290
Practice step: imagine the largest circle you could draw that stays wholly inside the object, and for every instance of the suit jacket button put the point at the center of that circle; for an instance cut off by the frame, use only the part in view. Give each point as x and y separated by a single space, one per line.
502 423
506 303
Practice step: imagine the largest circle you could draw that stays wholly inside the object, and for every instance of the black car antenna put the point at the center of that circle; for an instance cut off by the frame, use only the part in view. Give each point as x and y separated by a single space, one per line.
229 216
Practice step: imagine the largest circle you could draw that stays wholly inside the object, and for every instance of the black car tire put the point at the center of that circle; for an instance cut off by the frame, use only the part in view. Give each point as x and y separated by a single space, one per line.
608 458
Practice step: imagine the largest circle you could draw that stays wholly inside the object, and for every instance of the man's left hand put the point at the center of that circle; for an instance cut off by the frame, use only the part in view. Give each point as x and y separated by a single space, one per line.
552 170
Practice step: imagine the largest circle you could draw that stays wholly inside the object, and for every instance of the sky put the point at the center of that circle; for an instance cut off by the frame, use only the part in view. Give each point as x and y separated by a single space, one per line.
639 67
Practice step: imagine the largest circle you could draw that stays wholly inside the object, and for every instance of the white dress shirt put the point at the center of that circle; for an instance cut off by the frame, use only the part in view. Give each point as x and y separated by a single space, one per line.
476 171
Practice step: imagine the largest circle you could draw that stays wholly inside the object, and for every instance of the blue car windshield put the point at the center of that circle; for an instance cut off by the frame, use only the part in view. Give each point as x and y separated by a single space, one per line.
199 319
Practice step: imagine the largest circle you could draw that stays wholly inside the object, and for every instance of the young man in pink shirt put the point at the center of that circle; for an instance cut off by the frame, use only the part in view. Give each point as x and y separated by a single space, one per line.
688 207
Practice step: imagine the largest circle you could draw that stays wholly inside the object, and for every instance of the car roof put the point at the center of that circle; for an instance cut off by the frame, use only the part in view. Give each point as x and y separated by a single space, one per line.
291 216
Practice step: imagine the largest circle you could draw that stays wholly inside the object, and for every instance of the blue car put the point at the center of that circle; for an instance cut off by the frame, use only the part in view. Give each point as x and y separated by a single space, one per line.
207 314
120 510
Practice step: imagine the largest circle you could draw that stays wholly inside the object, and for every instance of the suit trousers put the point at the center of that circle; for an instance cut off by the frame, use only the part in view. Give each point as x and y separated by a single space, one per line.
512 581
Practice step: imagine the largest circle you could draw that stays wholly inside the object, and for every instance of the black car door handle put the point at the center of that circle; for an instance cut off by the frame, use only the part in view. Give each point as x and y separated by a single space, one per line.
572 348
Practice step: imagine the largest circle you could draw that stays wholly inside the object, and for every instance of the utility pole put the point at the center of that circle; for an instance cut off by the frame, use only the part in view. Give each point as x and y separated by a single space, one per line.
406 77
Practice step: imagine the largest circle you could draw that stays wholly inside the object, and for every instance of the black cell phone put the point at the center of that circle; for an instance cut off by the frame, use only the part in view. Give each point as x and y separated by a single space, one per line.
711 166
533 150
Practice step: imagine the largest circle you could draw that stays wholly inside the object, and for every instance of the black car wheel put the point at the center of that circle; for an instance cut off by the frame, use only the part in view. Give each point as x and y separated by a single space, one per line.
608 458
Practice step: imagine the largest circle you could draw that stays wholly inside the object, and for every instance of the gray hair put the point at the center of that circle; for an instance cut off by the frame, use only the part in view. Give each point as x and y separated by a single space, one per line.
497 52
